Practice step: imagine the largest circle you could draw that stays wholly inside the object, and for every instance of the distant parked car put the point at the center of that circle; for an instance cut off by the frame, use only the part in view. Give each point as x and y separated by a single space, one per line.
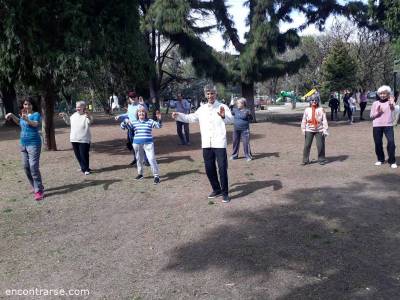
371 95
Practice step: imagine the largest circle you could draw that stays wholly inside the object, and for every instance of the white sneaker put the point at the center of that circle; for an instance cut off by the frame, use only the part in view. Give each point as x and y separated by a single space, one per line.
87 173
378 163
393 166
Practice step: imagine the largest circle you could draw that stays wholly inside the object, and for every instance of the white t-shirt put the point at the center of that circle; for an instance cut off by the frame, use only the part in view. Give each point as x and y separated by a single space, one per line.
80 131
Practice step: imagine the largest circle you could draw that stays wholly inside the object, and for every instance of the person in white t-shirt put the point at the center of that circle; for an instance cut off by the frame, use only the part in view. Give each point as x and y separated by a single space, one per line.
80 136
114 103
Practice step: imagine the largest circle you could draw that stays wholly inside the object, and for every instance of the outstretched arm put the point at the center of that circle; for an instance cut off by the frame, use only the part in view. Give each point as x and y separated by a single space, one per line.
190 118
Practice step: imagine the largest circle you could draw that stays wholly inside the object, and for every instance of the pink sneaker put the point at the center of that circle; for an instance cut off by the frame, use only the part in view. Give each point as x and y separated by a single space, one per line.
39 196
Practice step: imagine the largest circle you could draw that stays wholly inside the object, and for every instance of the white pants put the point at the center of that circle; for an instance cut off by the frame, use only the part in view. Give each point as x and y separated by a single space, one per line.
149 149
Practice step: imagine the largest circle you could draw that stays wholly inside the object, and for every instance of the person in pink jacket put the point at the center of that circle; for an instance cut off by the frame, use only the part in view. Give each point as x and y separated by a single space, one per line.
382 124
314 123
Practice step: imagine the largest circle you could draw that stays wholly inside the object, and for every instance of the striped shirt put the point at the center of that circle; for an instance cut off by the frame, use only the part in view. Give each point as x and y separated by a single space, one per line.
142 130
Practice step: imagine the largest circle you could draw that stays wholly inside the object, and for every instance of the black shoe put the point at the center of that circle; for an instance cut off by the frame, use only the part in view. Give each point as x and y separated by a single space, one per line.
139 177
304 163
156 180
322 162
214 194
226 199
147 164
133 162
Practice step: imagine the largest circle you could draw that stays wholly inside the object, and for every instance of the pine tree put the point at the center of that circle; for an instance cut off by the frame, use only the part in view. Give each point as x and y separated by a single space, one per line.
339 69
258 58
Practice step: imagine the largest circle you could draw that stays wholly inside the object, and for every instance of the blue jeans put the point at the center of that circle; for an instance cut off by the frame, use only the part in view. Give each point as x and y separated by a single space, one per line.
30 160
378 133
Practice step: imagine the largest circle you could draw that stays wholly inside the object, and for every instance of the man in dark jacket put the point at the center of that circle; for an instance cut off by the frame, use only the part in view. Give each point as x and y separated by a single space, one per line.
334 105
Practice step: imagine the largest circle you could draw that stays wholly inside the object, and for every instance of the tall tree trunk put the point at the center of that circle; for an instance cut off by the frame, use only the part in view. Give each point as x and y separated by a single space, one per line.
248 93
9 98
48 118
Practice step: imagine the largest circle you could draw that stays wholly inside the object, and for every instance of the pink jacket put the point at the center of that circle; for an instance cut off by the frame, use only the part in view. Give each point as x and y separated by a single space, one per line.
383 119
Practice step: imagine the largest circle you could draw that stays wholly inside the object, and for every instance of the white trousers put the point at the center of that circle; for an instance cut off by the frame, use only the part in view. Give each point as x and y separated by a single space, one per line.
140 149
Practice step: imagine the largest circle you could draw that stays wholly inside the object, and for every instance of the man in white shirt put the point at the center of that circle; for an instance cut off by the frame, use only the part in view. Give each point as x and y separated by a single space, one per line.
212 118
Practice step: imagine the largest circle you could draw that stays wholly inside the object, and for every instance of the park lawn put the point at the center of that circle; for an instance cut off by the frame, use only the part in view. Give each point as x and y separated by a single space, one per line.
290 232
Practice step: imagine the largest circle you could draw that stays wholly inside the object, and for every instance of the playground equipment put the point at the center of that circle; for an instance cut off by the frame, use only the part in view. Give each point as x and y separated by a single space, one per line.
293 97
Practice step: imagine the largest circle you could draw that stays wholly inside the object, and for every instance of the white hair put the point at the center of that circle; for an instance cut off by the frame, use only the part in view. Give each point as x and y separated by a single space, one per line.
384 88
210 88
81 103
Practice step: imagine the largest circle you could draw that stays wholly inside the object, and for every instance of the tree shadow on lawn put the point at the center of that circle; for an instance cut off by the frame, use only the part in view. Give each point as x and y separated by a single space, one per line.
171 159
164 144
243 189
265 155
69 188
327 243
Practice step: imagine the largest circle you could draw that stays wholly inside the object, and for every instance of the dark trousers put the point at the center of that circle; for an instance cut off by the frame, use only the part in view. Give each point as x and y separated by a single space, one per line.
212 155
245 135
345 110
363 105
81 151
378 139
334 112
320 138
183 131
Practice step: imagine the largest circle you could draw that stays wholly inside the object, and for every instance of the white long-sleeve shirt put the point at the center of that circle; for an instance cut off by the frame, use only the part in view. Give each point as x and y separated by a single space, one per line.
80 131
320 116
212 126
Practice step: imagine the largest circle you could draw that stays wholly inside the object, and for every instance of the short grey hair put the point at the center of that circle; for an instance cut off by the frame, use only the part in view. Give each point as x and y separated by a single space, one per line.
81 103
210 88
243 100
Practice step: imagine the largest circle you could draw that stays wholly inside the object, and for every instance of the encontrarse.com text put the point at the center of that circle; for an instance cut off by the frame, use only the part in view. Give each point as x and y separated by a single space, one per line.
46 292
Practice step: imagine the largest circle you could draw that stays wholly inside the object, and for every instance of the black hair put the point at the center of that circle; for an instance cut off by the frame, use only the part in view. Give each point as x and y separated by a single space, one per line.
35 107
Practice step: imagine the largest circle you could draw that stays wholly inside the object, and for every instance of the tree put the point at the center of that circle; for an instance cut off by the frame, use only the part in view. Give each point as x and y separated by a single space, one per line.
258 57
339 68
60 43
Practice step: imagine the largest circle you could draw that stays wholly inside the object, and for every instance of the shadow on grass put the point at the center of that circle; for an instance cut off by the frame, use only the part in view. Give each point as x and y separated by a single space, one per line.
265 155
114 168
69 188
325 243
243 189
171 159
174 175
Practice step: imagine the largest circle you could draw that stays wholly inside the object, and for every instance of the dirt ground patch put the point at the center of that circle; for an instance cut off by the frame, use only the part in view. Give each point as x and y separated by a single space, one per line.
290 232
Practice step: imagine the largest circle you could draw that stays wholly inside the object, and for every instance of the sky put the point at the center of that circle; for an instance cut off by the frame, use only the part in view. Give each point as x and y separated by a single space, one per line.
239 13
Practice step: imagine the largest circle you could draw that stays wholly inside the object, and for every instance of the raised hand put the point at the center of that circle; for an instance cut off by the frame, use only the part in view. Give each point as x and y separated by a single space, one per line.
221 112
9 116
175 115
158 115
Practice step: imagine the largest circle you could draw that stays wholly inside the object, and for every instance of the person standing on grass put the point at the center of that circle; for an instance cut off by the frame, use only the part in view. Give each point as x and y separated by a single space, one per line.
80 136
143 141
30 143
133 106
212 118
242 117
363 103
352 108
382 124
314 123
334 105
182 106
